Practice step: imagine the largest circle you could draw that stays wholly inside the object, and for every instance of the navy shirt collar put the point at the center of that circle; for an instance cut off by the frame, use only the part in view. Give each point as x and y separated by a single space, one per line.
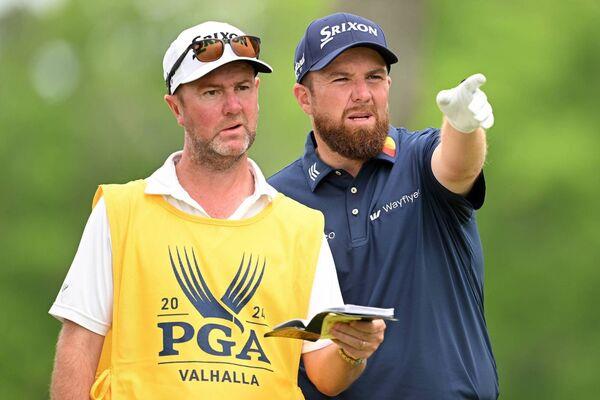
315 169
390 147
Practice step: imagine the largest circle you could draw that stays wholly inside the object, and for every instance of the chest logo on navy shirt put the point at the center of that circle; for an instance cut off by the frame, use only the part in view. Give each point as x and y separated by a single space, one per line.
375 215
390 206
214 338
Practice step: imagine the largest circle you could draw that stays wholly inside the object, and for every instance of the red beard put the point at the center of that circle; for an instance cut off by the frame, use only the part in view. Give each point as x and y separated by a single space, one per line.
356 144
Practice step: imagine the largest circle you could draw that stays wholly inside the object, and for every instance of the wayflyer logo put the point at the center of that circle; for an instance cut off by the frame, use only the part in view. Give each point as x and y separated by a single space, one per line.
213 338
405 200
375 215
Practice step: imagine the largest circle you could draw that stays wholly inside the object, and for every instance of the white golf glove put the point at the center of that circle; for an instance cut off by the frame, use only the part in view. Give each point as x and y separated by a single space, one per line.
466 107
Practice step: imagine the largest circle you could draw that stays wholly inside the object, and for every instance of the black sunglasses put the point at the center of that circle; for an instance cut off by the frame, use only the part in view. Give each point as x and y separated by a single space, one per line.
208 50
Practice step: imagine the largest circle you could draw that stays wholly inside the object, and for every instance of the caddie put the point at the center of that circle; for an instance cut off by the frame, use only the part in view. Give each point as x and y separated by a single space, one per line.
178 276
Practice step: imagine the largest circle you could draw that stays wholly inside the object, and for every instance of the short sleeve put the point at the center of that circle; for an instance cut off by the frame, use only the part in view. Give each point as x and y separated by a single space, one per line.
425 144
325 293
86 295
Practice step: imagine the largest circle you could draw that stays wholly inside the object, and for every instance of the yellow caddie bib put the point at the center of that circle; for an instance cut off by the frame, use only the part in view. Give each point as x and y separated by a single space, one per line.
193 297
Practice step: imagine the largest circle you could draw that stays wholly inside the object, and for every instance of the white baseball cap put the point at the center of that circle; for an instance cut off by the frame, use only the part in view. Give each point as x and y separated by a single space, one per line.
190 68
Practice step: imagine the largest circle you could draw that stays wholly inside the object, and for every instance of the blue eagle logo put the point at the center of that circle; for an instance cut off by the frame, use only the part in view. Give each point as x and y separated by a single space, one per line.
239 292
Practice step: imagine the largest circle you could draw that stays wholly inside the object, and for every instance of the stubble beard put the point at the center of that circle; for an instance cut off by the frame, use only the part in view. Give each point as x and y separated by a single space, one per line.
359 144
215 155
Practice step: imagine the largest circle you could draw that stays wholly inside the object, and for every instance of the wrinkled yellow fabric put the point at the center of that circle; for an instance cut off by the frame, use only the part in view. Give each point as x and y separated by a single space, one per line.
193 297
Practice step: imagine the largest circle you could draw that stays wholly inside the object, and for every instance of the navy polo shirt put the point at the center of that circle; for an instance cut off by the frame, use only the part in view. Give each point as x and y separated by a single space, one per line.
400 239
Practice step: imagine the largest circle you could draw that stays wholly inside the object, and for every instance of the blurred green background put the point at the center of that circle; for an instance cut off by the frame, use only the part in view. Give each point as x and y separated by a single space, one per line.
81 104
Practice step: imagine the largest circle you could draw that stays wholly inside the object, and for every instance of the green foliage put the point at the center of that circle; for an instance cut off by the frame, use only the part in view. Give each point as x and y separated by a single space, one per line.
539 223
96 115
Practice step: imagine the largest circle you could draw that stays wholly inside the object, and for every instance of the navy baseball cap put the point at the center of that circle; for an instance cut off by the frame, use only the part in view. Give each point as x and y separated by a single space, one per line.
328 37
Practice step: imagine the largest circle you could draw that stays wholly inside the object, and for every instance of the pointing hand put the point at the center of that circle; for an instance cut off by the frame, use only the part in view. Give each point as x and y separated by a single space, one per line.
466 107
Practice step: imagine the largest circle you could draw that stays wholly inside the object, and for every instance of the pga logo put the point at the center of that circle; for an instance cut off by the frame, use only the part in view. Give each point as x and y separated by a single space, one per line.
220 345
214 338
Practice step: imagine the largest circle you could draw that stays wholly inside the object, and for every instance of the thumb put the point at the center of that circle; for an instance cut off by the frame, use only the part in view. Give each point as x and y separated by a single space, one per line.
472 83
444 97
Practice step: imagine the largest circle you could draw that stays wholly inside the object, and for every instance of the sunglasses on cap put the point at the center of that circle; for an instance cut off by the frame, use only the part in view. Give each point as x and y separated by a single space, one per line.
208 50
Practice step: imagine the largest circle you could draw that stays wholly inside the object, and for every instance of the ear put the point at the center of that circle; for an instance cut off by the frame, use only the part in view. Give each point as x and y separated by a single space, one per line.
256 85
389 79
303 97
175 106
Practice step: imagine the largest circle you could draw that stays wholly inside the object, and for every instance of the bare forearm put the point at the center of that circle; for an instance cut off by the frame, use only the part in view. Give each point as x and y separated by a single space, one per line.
75 364
72 377
329 372
459 158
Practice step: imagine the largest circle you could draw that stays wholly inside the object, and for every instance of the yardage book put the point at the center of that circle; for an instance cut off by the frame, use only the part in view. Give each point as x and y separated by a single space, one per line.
319 326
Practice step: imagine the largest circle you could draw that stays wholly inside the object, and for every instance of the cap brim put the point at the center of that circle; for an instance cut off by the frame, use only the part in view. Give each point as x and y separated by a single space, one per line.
389 57
198 73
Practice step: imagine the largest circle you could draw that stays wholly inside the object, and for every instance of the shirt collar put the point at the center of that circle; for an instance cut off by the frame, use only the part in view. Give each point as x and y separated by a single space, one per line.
164 182
261 186
316 169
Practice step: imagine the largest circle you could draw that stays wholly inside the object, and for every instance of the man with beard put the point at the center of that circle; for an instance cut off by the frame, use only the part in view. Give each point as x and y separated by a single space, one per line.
399 213
178 276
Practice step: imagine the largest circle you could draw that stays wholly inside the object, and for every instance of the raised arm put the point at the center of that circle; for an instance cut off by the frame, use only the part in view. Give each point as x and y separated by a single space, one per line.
459 158
77 354
332 369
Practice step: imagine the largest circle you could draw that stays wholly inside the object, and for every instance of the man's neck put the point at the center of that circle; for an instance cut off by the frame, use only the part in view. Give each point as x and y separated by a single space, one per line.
335 160
219 193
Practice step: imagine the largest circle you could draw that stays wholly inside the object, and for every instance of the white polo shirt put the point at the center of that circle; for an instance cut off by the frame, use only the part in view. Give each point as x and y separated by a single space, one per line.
86 296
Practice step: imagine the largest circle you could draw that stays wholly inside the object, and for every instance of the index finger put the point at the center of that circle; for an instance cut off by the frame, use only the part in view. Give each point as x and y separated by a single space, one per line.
473 82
